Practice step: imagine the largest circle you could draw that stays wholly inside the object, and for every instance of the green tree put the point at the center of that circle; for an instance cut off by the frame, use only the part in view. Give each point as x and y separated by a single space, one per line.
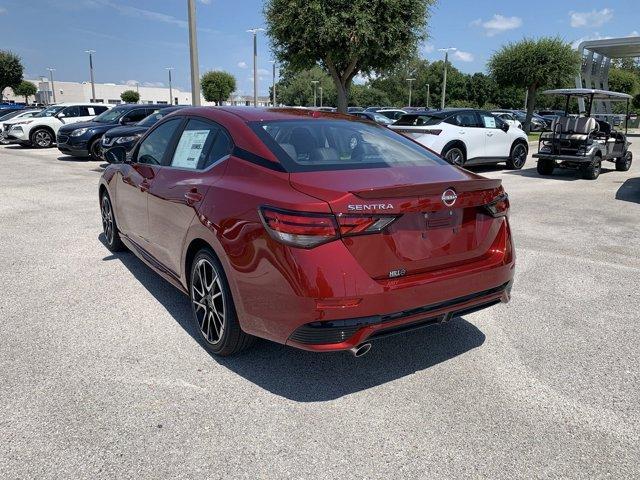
130 96
25 89
217 86
346 38
10 70
534 64
623 80
295 88
367 96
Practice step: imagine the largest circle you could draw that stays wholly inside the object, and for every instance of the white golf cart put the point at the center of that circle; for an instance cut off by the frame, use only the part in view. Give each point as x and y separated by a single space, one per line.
584 142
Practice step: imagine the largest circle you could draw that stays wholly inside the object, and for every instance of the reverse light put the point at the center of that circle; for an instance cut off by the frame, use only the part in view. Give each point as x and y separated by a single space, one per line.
308 230
499 207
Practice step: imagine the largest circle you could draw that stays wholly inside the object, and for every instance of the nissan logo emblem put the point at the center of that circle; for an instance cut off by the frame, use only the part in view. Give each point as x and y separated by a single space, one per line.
449 197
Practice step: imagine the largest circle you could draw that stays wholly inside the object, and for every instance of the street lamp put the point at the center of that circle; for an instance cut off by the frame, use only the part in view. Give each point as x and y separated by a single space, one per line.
93 85
273 84
53 87
170 88
428 95
315 85
444 78
255 63
320 88
410 80
193 54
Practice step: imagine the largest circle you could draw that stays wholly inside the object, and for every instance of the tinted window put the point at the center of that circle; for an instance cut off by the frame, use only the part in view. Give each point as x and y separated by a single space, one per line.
153 148
135 116
413 120
110 116
71 112
489 121
466 119
194 150
311 145
99 109
221 147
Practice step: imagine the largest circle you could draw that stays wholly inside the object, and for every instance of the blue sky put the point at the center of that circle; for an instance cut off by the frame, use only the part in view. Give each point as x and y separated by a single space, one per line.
136 40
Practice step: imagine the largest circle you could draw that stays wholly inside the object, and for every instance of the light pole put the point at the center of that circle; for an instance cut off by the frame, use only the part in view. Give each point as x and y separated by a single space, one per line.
320 88
273 84
428 95
444 78
138 90
315 85
170 88
93 85
410 80
53 87
193 54
255 63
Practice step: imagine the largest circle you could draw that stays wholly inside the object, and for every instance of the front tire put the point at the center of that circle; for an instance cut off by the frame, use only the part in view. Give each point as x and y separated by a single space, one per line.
546 167
592 170
41 138
623 163
454 155
212 307
109 226
518 156
95 150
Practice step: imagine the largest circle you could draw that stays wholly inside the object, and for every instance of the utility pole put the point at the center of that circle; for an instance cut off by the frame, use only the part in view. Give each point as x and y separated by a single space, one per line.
315 85
255 63
93 84
273 84
193 54
410 80
428 95
138 90
53 87
444 79
320 88
170 88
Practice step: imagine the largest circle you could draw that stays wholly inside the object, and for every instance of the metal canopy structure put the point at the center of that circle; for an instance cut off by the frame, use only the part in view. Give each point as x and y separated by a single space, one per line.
596 61
589 92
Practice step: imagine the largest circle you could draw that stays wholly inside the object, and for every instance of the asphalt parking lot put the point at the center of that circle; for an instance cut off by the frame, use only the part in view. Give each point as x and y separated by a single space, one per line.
100 375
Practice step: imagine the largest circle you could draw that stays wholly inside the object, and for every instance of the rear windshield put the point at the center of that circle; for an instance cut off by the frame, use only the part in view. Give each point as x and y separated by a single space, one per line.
412 120
313 145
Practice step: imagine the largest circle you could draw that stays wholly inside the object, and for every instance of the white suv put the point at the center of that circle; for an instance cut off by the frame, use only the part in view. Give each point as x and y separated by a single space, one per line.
40 130
466 136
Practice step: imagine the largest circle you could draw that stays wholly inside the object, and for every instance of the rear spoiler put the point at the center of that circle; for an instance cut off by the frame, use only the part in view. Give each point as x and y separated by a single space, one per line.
427 189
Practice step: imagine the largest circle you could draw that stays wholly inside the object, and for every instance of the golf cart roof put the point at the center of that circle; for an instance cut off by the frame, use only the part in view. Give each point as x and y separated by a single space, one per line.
588 92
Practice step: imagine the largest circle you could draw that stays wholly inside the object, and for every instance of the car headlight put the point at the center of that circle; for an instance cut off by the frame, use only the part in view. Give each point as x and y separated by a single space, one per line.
79 131
131 138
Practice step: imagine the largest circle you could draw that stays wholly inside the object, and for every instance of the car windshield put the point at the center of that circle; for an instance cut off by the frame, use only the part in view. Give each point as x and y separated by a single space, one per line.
413 120
50 111
110 116
151 119
314 145
8 115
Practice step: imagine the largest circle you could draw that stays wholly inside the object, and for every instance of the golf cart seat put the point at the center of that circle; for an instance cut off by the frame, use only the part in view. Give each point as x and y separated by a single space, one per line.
568 128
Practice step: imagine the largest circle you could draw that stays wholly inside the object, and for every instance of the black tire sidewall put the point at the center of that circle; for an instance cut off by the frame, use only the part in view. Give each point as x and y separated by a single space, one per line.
33 136
462 155
115 244
91 146
511 163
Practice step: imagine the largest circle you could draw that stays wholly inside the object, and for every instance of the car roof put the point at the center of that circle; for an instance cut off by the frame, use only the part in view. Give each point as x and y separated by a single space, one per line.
253 114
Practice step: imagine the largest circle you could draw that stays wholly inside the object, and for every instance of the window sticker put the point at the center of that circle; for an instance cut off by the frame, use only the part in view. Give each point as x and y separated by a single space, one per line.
489 122
189 148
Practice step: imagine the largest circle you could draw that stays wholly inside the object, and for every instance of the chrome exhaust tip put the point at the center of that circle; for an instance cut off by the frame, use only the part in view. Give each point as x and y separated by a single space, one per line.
360 350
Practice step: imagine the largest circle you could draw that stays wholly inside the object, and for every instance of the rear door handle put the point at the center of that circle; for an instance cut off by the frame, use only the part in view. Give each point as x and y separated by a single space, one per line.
462 132
192 197
489 134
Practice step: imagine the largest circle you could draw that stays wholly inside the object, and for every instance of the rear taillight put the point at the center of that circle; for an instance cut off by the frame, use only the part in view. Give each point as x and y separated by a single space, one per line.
499 207
308 230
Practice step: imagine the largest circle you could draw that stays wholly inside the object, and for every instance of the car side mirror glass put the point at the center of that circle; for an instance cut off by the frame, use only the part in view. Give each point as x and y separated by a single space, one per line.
116 155
504 126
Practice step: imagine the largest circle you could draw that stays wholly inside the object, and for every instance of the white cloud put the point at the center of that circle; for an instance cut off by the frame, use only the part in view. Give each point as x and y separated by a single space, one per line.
595 36
242 64
463 56
497 24
594 18
426 48
634 34
152 84
131 83
205 2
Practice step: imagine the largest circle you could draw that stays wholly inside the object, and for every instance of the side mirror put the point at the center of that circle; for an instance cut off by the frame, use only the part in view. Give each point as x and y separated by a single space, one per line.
116 155
504 127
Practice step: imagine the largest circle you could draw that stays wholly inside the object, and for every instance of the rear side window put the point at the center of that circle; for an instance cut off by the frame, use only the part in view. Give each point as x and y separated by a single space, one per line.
135 116
154 146
201 144
313 145
464 119
412 120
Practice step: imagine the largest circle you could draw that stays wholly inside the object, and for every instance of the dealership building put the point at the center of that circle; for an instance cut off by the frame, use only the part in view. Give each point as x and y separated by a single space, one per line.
110 93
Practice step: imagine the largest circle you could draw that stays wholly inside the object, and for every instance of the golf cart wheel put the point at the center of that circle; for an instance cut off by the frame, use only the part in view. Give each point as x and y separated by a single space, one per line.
454 155
592 170
41 138
546 167
624 163
518 156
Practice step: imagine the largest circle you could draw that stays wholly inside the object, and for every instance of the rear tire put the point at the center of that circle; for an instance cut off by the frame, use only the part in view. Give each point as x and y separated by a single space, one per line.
213 311
624 163
546 167
592 170
41 138
454 155
518 156
109 226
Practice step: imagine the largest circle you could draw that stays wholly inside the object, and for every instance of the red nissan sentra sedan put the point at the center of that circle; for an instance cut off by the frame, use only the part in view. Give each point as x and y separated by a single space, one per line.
315 230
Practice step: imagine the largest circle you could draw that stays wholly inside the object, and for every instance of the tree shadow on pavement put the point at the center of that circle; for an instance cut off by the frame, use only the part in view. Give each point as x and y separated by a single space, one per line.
315 377
629 191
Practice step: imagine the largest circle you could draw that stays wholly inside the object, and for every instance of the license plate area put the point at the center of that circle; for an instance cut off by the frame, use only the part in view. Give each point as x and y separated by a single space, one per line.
444 219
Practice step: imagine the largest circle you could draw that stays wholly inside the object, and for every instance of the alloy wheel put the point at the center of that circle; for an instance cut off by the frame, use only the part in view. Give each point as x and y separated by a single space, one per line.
42 138
208 301
107 219
455 156
519 155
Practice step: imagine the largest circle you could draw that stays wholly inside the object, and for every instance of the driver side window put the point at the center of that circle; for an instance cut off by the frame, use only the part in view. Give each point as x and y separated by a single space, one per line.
71 112
153 148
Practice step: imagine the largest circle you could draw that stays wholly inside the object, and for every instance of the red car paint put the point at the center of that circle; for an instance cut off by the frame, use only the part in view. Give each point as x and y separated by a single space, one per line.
450 259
